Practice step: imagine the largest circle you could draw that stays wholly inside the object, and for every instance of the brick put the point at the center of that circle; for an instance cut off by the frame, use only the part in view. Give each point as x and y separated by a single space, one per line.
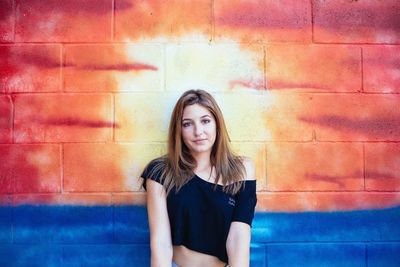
63 223
34 255
5 200
6 219
257 152
313 68
382 166
381 69
6 21
185 67
266 117
5 119
105 167
63 21
30 68
127 232
311 169
292 202
30 168
63 118
131 199
316 254
369 21
383 254
265 21
333 226
258 254
125 67
356 117
76 199
163 20
143 117
106 254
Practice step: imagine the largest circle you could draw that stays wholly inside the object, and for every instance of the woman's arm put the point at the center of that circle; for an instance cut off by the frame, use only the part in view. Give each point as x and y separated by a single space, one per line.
160 233
238 244
238 241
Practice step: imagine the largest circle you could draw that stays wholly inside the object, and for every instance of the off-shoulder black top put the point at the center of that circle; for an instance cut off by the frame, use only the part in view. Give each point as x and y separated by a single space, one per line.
200 217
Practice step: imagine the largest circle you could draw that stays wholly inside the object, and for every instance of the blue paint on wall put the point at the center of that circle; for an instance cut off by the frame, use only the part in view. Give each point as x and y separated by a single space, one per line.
119 236
366 225
5 224
383 255
316 255
63 224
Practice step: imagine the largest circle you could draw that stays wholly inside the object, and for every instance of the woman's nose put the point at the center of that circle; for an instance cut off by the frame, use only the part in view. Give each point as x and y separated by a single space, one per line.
198 130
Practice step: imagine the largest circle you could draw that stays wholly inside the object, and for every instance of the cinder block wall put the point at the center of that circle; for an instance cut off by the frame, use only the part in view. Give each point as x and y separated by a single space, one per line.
309 90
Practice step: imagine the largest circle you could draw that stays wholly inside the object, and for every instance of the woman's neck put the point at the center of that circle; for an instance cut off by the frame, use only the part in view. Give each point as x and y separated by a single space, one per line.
203 162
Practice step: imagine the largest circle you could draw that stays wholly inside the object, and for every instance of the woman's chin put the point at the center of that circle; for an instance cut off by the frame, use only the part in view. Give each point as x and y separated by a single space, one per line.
198 150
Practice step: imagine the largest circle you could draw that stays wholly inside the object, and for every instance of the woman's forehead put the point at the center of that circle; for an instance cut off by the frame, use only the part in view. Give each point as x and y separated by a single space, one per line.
195 111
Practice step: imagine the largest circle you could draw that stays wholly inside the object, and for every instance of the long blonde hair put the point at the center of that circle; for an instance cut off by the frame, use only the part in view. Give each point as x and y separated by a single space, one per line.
176 167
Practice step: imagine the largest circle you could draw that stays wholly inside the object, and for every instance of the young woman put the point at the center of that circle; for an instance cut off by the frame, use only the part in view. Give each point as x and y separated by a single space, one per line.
200 196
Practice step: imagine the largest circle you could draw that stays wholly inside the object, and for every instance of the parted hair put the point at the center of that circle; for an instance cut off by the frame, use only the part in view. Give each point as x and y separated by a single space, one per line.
176 167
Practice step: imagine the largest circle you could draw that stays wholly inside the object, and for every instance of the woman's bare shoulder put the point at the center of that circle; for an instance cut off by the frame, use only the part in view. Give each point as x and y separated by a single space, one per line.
250 168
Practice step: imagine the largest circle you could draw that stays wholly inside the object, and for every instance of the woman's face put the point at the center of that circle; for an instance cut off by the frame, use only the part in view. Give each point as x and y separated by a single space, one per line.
198 129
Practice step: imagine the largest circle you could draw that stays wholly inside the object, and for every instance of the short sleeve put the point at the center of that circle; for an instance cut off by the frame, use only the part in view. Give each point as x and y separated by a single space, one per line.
151 171
246 200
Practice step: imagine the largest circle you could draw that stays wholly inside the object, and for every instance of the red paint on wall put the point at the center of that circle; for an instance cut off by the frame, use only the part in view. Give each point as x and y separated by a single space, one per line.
372 14
381 66
295 166
63 21
6 21
70 7
49 117
259 84
265 20
379 175
14 58
355 117
30 68
30 168
262 14
5 119
381 126
382 166
77 122
283 85
366 21
334 179
118 67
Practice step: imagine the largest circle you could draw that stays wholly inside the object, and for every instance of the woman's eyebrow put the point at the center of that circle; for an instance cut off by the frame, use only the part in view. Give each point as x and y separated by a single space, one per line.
205 116
200 117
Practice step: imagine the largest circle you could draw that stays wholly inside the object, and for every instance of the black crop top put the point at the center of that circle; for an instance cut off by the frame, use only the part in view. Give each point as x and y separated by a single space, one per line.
200 217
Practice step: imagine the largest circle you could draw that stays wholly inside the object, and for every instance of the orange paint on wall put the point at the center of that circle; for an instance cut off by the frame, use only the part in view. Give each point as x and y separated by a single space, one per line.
313 68
93 67
161 18
315 167
325 201
63 117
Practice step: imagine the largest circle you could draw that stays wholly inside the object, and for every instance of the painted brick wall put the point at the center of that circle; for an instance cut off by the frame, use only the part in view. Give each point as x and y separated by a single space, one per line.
309 90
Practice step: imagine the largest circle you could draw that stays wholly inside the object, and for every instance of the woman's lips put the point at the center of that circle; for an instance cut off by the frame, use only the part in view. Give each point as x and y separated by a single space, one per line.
200 141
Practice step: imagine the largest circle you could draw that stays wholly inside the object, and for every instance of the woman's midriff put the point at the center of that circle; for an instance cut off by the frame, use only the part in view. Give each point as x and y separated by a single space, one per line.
185 257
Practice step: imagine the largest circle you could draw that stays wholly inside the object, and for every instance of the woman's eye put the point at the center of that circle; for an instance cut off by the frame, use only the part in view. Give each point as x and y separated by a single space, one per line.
186 124
206 121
